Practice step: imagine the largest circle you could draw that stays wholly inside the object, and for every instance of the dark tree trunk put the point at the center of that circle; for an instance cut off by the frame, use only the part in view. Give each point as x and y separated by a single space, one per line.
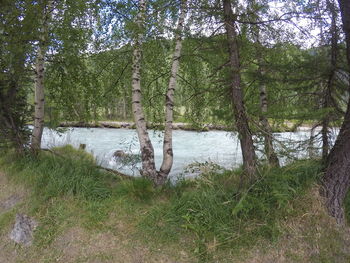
239 111
327 94
336 180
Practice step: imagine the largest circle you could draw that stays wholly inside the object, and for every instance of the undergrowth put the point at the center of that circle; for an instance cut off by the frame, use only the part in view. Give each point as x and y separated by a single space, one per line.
205 214
68 171
221 215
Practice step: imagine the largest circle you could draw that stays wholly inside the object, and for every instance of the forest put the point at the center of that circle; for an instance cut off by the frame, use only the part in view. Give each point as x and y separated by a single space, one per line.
174 131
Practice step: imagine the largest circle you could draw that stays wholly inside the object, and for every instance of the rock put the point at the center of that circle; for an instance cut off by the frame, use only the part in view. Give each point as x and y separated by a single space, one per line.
82 146
22 232
119 154
125 125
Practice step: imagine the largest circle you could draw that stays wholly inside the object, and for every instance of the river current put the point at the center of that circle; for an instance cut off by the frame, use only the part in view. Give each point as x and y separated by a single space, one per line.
219 147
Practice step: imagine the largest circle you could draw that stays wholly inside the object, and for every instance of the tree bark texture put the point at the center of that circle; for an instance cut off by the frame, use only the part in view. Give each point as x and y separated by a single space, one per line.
146 147
336 180
327 94
239 111
169 98
268 138
39 100
147 151
269 150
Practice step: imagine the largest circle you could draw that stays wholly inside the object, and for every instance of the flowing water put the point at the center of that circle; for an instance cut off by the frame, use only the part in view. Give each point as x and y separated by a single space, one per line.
189 147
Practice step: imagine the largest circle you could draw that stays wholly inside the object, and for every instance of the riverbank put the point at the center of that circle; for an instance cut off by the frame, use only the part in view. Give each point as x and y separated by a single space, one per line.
282 127
89 215
131 125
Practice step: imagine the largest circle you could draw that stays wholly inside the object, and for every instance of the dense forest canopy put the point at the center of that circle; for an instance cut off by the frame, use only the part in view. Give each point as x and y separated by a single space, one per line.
247 65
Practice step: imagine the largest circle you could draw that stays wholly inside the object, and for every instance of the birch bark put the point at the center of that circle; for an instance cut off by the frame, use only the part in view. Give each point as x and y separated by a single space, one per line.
268 138
146 147
39 99
169 99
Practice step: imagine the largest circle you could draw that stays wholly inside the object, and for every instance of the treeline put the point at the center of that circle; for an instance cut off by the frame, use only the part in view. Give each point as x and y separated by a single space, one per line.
243 64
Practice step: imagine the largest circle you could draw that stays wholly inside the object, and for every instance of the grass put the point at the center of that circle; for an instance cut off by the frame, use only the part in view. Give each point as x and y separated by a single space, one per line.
54 176
221 215
207 219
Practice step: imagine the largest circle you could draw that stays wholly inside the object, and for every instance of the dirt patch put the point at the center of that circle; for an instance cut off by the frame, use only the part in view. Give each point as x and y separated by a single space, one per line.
10 202
79 245
10 194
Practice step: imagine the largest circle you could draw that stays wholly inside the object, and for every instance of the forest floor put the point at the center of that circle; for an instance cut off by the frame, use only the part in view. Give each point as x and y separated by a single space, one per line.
131 225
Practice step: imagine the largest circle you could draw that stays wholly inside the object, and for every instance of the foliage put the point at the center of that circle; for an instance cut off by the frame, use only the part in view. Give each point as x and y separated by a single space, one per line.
17 31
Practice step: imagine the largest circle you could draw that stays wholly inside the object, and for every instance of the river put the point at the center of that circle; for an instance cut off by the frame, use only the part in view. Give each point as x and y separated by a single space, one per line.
218 147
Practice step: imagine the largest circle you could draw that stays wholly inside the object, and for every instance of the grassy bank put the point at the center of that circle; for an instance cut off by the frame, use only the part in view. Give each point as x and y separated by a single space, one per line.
89 215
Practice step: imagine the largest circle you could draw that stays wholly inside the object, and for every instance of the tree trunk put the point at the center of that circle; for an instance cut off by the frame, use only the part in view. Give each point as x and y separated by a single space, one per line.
311 146
147 151
146 147
268 139
336 180
39 100
169 98
124 109
330 83
239 111
269 150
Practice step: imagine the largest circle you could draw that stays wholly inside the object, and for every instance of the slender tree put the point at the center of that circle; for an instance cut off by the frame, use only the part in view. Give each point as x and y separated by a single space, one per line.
169 98
147 152
264 122
39 101
263 95
239 111
336 180
329 87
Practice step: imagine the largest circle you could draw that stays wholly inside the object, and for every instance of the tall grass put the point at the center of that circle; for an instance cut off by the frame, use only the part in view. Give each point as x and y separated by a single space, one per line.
217 213
67 172
210 211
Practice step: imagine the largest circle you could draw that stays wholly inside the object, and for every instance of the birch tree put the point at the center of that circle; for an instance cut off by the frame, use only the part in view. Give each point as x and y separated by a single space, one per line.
39 100
169 98
263 94
147 152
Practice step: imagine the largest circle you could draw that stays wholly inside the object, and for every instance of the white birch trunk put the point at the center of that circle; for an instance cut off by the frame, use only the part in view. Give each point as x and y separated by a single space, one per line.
39 99
147 151
268 137
169 99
